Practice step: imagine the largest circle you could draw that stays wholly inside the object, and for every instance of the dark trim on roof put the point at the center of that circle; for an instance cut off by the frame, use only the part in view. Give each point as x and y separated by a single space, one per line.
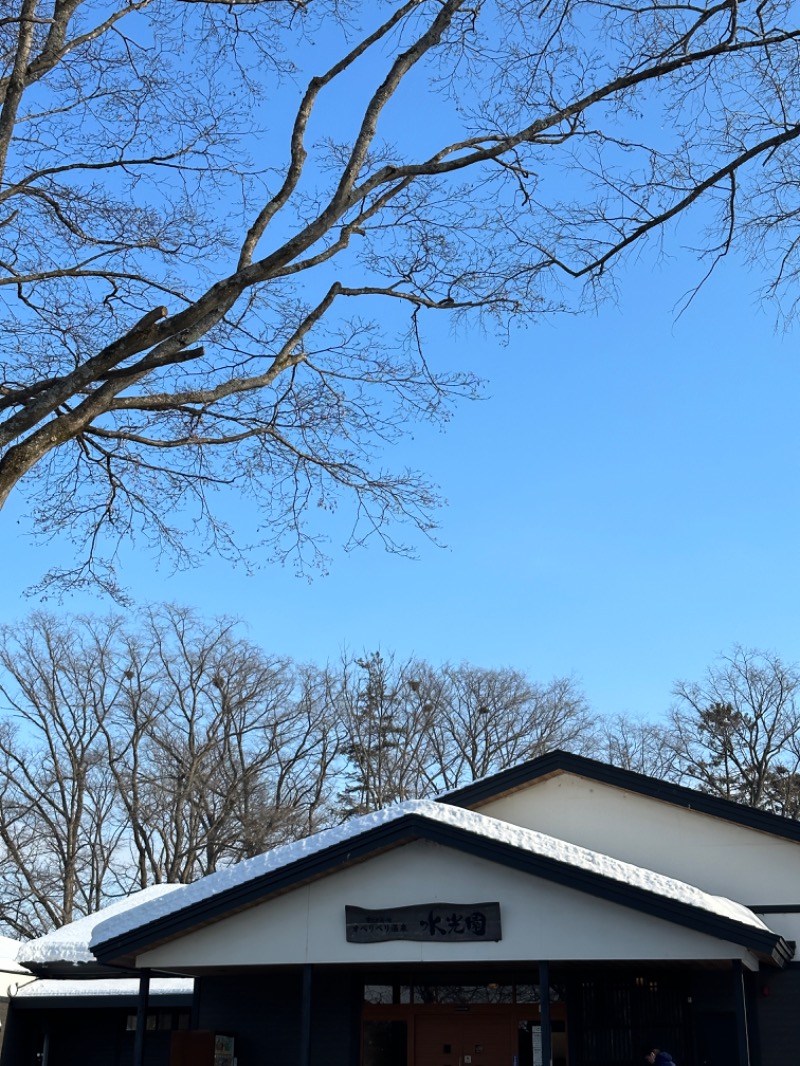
410 827
774 908
559 762
56 969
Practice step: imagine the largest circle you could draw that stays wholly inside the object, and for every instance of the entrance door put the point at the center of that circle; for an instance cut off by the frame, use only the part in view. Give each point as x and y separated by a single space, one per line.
462 1040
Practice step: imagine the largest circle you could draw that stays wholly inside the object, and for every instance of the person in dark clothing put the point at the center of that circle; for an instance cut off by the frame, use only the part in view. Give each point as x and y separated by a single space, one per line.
656 1057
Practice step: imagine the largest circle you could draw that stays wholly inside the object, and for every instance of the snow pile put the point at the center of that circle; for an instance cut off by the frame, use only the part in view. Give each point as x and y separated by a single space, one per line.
70 943
525 840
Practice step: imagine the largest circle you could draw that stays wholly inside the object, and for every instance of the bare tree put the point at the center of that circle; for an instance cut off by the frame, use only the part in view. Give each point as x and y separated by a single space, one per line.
490 719
386 727
229 754
159 747
188 296
59 836
736 733
152 749
639 745
411 729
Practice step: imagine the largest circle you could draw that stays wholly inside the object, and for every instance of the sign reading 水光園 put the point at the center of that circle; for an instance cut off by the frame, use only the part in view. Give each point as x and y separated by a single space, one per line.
440 922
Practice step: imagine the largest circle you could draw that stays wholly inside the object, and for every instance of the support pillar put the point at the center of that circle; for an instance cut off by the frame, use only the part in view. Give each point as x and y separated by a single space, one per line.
141 1017
305 1019
544 1010
740 1000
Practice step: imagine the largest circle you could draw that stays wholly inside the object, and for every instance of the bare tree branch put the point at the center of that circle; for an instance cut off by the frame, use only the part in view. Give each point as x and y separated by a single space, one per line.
187 296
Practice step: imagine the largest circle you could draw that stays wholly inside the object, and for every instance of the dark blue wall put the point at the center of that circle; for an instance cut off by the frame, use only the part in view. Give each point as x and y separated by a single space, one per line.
778 1015
263 1013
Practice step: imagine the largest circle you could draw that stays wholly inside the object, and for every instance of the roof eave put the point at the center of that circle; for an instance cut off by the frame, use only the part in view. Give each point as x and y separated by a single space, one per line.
124 948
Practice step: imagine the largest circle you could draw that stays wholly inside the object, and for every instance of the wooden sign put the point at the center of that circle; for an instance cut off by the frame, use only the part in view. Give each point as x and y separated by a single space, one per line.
437 922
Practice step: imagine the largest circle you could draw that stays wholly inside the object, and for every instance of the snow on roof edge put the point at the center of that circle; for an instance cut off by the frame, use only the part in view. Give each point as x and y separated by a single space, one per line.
70 943
106 986
526 840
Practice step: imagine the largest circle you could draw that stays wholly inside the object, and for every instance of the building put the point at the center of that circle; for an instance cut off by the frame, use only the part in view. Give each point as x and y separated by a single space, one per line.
67 1008
563 912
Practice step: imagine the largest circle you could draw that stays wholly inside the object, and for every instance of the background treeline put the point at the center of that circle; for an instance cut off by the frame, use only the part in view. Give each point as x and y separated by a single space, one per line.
158 746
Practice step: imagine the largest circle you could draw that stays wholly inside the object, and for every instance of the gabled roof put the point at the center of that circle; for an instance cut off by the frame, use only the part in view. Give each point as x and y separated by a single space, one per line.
120 939
562 762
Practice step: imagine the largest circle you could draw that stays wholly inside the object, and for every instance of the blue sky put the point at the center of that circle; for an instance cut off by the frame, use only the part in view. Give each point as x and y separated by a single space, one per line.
623 506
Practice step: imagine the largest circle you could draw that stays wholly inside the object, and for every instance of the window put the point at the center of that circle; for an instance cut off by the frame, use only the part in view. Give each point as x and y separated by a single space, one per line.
162 1020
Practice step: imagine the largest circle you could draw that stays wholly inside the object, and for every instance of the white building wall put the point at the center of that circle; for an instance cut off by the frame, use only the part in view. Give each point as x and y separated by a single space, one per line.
540 920
723 859
788 925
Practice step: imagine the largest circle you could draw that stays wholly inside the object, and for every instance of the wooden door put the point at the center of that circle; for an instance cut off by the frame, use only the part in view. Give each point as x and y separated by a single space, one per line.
191 1048
462 1040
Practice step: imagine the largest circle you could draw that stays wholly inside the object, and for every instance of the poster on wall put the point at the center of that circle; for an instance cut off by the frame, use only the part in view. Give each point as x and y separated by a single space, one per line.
223 1050
536 1045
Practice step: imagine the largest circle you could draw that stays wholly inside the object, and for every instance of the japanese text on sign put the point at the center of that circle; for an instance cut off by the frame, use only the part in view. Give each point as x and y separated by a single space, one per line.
442 922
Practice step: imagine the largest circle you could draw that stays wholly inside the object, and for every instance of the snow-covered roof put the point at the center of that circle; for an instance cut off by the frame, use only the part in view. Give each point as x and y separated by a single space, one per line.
107 986
70 943
525 840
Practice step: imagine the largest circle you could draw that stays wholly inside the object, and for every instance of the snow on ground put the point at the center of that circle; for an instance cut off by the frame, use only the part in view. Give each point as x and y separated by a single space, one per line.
527 840
70 943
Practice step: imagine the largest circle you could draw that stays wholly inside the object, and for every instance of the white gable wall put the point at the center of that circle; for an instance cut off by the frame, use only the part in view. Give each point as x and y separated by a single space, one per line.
717 856
540 920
